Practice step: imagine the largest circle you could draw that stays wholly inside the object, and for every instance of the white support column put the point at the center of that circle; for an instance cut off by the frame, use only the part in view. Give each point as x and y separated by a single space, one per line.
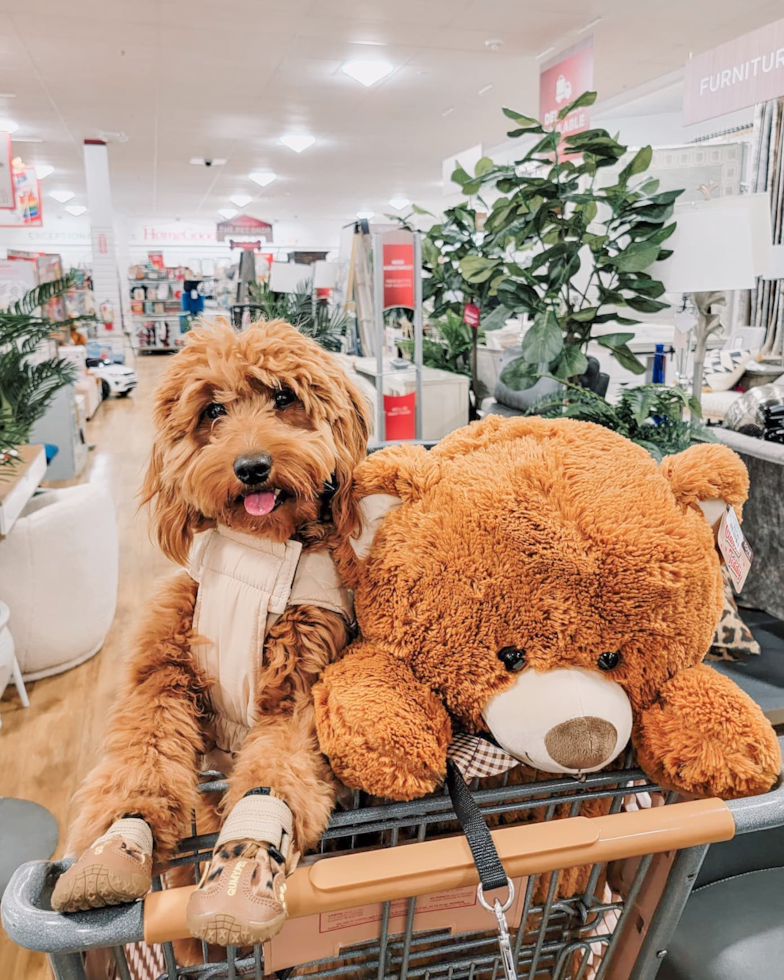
106 274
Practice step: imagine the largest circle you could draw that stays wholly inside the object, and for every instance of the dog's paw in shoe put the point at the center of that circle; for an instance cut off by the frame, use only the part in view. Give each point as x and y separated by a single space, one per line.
115 869
241 898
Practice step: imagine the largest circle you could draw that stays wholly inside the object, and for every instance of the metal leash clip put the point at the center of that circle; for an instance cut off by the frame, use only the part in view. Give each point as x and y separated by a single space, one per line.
504 942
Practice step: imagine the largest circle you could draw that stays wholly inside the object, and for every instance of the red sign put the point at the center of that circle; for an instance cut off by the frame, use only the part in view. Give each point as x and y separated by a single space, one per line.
560 83
471 314
398 274
399 414
245 226
735 75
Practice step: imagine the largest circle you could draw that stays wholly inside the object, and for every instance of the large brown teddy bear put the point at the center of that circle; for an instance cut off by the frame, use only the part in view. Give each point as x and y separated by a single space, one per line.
544 582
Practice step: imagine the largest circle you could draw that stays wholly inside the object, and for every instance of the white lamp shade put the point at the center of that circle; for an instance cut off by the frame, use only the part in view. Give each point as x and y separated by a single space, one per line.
287 277
712 251
757 206
776 269
325 274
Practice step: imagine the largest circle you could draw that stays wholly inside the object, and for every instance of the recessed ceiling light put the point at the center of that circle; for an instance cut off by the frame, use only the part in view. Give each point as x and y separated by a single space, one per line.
365 214
8 126
493 43
448 112
262 178
375 44
43 170
227 212
485 89
7 95
62 196
27 139
367 73
543 54
76 209
589 25
298 142
240 199
398 203
208 162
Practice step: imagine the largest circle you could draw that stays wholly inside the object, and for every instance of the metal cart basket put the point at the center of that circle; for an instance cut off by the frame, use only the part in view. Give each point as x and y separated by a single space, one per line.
392 895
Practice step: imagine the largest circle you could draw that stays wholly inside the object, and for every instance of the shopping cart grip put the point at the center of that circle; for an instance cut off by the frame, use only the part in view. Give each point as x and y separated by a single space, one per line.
30 922
330 884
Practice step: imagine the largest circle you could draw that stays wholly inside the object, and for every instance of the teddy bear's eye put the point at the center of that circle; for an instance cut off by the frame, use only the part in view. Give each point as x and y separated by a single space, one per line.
512 658
608 661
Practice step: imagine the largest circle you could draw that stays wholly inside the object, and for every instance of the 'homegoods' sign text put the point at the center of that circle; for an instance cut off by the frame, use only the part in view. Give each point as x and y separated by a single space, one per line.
735 75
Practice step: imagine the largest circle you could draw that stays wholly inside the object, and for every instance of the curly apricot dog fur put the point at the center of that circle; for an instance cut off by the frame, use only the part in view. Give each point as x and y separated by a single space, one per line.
225 397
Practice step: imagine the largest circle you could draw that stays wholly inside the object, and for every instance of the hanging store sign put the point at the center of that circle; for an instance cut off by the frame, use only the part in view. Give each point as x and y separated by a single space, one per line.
245 227
27 212
7 192
561 82
735 75
398 259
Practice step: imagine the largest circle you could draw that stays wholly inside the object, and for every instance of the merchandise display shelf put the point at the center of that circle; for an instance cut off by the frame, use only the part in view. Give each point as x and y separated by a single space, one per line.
158 316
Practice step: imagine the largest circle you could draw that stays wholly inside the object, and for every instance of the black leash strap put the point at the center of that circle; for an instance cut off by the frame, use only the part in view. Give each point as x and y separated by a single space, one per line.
486 859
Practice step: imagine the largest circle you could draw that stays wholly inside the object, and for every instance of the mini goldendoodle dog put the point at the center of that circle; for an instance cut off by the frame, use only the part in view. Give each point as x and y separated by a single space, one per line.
257 434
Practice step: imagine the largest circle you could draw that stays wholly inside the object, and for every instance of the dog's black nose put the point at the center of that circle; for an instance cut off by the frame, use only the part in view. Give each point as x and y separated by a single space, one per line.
253 469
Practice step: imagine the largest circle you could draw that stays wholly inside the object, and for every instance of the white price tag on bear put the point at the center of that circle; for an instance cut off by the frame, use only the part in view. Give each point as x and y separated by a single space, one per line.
735 548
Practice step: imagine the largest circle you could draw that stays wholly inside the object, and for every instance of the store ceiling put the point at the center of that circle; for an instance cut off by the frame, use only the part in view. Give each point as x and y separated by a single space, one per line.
227 78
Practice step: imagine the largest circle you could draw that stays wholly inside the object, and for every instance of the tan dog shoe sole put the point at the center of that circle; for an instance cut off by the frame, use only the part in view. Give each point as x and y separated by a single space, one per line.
228 911
106 874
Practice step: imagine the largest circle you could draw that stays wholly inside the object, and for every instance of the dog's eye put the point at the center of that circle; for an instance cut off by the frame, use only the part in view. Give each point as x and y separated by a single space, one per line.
284 397
213 411
513 658
608 661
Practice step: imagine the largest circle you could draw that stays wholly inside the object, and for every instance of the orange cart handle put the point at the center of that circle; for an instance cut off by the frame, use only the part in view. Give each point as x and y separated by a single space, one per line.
329 884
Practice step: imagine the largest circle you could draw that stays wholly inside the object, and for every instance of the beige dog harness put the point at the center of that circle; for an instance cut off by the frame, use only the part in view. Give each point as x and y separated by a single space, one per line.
245 584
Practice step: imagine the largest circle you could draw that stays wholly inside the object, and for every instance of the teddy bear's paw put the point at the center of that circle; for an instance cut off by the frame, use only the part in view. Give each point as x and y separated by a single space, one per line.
706 737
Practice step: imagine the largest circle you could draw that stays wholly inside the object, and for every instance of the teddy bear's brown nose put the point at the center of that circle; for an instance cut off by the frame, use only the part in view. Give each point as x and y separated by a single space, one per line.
581 743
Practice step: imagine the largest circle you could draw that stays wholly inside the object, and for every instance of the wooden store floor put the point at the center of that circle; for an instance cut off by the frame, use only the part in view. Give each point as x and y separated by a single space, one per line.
48 748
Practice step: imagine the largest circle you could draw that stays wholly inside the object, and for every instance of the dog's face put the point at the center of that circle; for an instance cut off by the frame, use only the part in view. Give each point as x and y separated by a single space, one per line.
250 428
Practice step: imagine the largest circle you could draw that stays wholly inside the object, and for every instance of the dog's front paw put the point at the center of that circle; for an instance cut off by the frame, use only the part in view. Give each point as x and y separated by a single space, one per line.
241 899
116 869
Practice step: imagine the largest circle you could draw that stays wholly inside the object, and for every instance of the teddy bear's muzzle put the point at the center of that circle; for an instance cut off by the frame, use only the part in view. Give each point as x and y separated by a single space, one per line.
568 720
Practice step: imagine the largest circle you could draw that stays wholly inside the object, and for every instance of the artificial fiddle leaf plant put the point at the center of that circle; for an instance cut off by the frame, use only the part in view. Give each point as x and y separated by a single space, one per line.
551 223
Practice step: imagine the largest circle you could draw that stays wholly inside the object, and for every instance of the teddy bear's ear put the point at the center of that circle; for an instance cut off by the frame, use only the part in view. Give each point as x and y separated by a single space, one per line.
384 481
709 477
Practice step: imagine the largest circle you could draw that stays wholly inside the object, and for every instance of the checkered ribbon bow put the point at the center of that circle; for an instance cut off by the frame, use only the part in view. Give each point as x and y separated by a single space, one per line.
476 758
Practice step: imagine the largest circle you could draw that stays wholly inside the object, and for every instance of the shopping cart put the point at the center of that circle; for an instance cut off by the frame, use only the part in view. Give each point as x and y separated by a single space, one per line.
392 893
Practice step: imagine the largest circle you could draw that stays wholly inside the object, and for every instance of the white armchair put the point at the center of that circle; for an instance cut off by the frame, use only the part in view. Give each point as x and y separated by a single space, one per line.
58 575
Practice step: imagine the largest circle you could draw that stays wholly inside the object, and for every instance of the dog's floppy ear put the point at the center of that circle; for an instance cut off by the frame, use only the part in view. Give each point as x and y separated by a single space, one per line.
351 431
172 521
709 477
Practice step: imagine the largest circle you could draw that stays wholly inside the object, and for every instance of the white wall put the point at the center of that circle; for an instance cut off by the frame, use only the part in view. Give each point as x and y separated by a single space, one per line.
182 242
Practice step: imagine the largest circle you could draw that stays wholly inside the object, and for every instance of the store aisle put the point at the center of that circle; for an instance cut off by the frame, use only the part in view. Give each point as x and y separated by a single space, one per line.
48 748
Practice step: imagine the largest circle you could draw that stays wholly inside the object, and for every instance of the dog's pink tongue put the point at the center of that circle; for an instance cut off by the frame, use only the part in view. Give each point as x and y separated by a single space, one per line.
259 504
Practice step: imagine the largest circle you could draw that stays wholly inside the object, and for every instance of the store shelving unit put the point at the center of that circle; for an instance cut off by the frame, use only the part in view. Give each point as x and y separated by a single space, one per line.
158 330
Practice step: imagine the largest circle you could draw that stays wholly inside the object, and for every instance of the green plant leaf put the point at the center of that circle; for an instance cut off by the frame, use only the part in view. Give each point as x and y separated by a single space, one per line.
650 186
476 268
639 162
519 375
614 339
626 358
635 257
482 166
417 210
586 99
666 197
643 305
585 315
525 122
544 340
570 363
495 319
